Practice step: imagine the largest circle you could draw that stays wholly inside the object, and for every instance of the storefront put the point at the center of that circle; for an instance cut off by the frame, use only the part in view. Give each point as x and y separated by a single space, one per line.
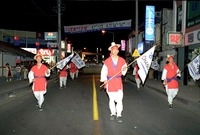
192 42
49 55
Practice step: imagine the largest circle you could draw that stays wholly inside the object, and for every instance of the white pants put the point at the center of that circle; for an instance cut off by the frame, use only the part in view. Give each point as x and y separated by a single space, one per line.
138 82
74 75
39 95
116 97
63 81
171 94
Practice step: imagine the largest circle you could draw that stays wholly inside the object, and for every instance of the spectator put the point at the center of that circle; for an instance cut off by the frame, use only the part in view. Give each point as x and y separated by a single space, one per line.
25 70
9 73
18 72
155 67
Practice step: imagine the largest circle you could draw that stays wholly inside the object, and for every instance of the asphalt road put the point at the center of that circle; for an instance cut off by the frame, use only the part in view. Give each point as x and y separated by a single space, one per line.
82 109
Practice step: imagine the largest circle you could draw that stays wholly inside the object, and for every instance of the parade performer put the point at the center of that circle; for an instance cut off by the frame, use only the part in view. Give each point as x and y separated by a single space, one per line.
63 77
137 77
170 81
73 70
111 75
37 75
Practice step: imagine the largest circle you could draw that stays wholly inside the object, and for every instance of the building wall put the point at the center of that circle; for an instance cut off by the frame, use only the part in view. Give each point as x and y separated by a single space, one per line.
167 25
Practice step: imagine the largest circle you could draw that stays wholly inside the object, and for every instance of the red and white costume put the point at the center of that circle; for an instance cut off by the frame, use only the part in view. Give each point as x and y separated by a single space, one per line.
169 75
73 70
114 87
137 77
38 75
63 76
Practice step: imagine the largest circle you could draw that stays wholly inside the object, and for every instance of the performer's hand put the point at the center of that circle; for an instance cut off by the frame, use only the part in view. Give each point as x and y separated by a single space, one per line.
104 83
124 68
164 82
47 71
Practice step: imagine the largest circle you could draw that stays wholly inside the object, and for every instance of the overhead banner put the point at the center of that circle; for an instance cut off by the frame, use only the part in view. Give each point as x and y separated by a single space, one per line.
126 24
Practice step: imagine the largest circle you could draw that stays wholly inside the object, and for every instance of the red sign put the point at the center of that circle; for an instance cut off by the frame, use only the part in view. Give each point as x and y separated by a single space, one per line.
37 43
174 38
46 52
16 37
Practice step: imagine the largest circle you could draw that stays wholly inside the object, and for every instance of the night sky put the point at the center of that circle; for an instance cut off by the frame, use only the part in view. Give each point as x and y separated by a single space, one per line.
41 15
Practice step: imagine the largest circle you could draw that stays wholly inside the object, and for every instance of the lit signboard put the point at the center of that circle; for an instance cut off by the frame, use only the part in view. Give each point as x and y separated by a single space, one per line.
123 45
141 47
193 13
50 35
150 23
174 38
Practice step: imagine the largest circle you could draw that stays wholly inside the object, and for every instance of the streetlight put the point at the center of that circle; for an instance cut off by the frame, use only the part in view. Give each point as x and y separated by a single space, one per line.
103 31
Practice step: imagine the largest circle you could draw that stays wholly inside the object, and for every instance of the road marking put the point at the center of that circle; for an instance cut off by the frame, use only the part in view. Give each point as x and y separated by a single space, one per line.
96 127
95 106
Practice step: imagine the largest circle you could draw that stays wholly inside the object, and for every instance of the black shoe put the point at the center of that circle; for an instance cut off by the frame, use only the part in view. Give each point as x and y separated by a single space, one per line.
170 106
112 117
40 109
119 119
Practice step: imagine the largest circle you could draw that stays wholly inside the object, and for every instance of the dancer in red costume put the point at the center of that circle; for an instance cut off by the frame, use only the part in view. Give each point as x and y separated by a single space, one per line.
73 70
63 77
37 76
170 81
137 77
111 74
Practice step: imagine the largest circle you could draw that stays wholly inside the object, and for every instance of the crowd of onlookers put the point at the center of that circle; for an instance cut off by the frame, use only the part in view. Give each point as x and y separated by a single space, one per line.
19 72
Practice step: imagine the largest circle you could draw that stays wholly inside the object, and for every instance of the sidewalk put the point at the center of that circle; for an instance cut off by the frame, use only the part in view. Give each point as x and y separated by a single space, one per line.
9 89
189 95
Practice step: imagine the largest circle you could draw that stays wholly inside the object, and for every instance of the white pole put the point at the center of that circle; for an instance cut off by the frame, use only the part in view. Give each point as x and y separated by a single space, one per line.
136 23
174 15
59 29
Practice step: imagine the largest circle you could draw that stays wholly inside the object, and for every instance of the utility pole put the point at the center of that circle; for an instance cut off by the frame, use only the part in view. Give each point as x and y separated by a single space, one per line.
59 29
136 23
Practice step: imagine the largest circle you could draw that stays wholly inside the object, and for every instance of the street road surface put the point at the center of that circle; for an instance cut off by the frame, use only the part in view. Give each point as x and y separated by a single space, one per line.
82 109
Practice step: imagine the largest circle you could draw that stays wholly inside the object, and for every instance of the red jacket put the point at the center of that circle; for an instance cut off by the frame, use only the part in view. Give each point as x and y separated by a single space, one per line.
73 67
63 72
171 75
115 83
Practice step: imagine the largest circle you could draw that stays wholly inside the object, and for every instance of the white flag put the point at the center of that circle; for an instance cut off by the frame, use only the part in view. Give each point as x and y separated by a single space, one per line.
78 61
61 64
193 68
144 63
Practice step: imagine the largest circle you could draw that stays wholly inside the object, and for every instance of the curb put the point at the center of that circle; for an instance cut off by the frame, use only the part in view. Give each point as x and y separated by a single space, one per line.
178 98
13 91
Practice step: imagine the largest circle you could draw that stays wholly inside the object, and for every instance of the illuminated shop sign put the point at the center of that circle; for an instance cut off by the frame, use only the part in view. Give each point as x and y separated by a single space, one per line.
50 35
174 38
193 13
150 23
123 45
192 37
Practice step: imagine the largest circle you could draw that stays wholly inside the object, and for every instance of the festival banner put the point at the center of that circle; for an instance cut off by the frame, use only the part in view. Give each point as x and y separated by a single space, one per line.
78 61
193 68
61 64
126 24
144 63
